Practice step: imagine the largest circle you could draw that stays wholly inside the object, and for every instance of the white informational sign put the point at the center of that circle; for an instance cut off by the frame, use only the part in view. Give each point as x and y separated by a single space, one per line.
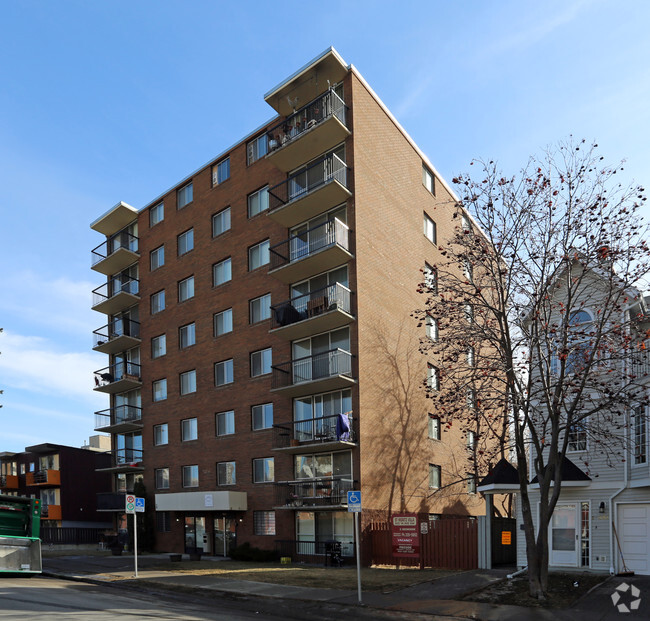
129 503
354 502
208 500
139 505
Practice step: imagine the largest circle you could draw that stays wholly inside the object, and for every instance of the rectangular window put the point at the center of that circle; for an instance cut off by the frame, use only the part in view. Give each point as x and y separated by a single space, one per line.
256 149
223 322
187 336
162 478
160 435
223 373
263 470
262 416
471 440
188 382
190 476
222 272
577 437
471 399
163 522
258 202
160 390
157 302
185 242
261 362
431 278
186 289
432 328
158 346
189 430
157 257
469 313
468 271
430 229
471 484
471 356
640 435
434 427
225 422
221 222
258 255
221 171
156 214
184 196
434 476
260 308
433 377
264 522
428 180
226 473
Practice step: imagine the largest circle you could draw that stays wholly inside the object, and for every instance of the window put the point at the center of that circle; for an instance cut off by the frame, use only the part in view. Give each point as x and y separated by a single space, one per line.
263 470
432 328
431 278
223 322
262 416
226 473
430 229
471 399
260 308
190 476
471 356
187 336
160 390
258 202
157 257
222 272
258 255
160 435
163 522
434 427
577 437
469 313
465 223
188 382
185 242
579 343
189 430
264 522
223 373
639 428
433 377
221 171
471 484
468 271
471 440
184 196
261 362
225 423
162 478
156 214
428 180
434 476
157 302
221 222
186 289
256 149
158 346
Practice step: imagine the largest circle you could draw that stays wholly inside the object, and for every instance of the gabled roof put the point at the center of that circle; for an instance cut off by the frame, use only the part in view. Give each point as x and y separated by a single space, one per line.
570 473
502 478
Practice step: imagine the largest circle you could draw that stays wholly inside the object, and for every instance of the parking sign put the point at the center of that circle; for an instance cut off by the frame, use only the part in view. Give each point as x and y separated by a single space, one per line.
139 505
354 502
130 503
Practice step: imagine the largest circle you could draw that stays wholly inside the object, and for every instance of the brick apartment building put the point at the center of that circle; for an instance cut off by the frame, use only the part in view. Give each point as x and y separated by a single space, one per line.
262 355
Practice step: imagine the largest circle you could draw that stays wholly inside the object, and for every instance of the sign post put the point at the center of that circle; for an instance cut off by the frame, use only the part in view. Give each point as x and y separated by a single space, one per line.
134 505
354 506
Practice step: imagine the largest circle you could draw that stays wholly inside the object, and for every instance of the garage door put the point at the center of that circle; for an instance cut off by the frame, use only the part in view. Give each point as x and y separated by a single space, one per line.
634 534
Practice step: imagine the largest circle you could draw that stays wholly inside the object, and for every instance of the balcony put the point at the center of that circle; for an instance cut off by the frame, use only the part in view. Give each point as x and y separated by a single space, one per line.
330 492
118 377
310 192
321 310
8 481
314 129
118 336
111 501
328 433
120 419
115 254
116 295
321 372
314 251
115 219
43 478
124 460
50 512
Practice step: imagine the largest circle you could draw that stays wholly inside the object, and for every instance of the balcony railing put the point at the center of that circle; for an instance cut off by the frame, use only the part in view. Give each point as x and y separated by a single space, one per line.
114 287
310 368
116 372
50 512
317 552
323 171
9 481
122 240
321 491
326 429
124 459
317 302
43 477
119 416
308 117
639 362
115 330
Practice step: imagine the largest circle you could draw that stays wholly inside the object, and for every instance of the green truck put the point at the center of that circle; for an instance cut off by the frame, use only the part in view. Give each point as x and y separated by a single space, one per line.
20 528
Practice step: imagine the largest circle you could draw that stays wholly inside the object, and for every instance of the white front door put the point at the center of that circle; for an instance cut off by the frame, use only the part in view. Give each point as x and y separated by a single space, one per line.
633 532
563 536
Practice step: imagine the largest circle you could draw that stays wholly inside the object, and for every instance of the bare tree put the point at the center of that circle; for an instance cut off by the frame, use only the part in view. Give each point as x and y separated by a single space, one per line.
521 358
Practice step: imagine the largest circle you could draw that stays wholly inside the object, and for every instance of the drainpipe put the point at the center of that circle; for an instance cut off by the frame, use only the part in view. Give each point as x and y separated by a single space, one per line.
611 516
517 573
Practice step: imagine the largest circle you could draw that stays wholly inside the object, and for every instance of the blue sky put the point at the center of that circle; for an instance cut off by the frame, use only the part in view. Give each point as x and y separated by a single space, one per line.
107 101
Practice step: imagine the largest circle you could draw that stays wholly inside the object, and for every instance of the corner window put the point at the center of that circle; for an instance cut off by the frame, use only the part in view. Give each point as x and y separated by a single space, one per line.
158 346
428 180
162 478
434 476
221 222
157 302
157 258
188 382
185 242
258 202
261 362
256 148
225 422
189 429
223 322
187 336
264 522
190 476
260 308
186 289
156 214
263 470
160 390
222 272
160 435
221 171
434 427
223 372
184 196
430 230
262 416
258 255
226 473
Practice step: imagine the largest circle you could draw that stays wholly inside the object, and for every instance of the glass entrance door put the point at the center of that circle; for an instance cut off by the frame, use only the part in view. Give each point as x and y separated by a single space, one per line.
563 536
225 537
196 535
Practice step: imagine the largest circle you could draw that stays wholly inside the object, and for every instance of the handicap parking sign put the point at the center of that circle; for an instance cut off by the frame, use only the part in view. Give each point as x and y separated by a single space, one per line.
354 502
139 505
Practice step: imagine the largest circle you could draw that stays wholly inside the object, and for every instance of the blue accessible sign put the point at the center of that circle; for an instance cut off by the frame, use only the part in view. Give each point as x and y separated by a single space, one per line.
354 502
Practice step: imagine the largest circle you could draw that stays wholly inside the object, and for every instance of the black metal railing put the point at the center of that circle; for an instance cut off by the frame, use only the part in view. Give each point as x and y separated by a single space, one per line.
115 329
111 501
71 535
41 476
322 491
119 284
336 428
126 457
116 372
310 368
317 302
324 170
113 244
310 242
118 415
330 552
308 117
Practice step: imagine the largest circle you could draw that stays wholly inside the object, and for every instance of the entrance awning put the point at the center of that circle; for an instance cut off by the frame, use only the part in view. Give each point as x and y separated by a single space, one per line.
202 501
502 479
